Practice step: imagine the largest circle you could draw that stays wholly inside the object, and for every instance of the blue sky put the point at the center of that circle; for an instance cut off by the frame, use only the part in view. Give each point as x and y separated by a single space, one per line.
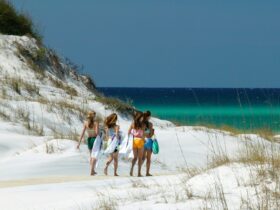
162 43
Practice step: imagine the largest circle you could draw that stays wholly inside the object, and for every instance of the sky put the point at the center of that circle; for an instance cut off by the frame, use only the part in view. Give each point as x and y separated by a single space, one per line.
165 43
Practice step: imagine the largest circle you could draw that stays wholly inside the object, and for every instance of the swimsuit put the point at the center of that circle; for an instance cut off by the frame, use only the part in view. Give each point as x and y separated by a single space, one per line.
138 141
148 144
90 140
148 141
147 131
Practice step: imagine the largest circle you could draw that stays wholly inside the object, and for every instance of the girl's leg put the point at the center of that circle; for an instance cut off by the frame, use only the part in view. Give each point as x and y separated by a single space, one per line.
93 161
90 163
148 164
110 158
140 157
135 154
90 157
144 156
115 156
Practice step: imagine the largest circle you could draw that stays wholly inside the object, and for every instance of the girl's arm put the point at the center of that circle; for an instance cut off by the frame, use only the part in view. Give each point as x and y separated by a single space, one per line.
152 131
96 128
144 135
106 133
82 135
117 130
130 128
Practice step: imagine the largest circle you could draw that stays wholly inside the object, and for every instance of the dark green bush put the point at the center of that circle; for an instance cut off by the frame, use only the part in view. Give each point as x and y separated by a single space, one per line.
14 23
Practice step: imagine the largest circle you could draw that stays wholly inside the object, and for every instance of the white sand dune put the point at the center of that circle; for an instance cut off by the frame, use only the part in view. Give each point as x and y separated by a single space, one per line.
60 180
45 172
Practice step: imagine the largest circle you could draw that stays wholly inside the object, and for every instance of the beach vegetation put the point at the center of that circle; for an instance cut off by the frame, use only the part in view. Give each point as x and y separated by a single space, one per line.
266 133
19 85
13 22
261 160
4 115
61 85
34 59
37 129
49 148
115 104
106 203
31 88
15 84
3 93
70 135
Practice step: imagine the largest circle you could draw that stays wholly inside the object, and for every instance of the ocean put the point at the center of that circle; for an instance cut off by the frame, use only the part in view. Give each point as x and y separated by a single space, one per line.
243 109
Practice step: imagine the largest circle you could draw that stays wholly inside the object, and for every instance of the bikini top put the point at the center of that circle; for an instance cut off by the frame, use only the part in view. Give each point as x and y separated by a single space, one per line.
137 133
91 131
147 131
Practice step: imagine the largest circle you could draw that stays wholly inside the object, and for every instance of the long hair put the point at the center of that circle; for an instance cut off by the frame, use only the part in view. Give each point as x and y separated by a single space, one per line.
138 120
111 120
90 118
146 115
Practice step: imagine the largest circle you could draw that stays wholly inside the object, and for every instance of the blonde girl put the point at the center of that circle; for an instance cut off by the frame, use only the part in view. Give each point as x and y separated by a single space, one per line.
92 128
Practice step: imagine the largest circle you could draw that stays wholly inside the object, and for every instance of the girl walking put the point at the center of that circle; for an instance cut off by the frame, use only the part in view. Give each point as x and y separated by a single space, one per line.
112 135
91 126
148 147
137 130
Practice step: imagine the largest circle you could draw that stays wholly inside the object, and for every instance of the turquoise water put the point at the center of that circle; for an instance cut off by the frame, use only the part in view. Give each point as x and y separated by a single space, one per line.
245 109
245 118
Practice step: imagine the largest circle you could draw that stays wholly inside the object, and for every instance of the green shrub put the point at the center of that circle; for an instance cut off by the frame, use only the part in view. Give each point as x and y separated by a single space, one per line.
14 23
40 54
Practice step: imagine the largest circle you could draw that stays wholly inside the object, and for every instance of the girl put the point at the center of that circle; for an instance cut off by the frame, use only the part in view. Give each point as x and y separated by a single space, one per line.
148 147
112 134
92 128
137 130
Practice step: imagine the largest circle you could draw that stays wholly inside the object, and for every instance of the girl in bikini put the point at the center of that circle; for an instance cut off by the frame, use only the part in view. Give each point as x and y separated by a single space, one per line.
148 147
112 133
137 130
92 128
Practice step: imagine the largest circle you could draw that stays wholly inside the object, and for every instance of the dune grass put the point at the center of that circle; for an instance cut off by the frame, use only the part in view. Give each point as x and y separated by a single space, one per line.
115 104
13 22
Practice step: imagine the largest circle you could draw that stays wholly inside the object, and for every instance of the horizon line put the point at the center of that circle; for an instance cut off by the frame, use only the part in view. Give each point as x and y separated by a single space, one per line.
191 87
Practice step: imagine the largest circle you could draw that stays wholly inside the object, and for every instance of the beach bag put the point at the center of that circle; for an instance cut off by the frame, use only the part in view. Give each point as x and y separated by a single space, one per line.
155 147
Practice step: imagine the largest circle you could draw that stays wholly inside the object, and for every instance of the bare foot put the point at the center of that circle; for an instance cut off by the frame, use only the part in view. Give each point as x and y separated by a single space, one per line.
116 175
131 173
106 171
149 174
139 175
93 173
